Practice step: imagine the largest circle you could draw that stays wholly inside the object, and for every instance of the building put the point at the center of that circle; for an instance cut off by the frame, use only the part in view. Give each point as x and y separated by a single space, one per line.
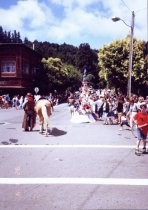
19 66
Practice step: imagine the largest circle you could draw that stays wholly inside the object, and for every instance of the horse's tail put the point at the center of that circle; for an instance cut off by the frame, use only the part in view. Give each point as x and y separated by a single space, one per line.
45 114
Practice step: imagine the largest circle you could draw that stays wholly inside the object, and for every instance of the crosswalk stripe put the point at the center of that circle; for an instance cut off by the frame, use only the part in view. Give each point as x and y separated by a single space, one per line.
70 146
95 181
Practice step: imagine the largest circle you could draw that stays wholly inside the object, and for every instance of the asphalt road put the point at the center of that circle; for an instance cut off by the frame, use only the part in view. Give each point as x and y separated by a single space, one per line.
88 166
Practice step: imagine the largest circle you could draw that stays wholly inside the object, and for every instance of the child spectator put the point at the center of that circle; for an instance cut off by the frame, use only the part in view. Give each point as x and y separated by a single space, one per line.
124 121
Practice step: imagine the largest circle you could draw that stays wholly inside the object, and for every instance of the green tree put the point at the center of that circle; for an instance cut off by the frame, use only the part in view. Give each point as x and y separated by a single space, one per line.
67 53
74 78
86 58
28 43
114 63
54 71
90 78
61 76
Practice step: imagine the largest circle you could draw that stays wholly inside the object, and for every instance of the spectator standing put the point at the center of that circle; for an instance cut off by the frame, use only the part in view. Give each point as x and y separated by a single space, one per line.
29 119
119 108
141 120
133 110
99 107
105 107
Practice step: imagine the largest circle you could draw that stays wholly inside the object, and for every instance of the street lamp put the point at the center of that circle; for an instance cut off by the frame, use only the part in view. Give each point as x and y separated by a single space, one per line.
115 19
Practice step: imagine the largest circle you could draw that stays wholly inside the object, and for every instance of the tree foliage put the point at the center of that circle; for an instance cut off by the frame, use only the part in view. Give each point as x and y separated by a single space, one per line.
61 76
74 77
114 64
87 59
9 37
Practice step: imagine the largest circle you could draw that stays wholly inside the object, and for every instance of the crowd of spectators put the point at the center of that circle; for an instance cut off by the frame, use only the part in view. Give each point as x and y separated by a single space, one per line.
105 105
89 105
17 101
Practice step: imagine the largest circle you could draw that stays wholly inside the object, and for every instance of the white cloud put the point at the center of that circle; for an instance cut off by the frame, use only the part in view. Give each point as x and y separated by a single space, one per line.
28 11
80 22
72 3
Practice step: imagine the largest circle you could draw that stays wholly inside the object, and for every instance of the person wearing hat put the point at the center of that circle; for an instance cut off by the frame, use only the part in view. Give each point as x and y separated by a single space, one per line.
29 119
141 120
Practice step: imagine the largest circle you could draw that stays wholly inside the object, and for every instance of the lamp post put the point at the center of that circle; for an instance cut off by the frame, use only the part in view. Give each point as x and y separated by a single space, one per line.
115 19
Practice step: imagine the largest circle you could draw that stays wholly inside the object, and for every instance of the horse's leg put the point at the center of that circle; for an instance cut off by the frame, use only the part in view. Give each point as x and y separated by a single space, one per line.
46 129
41 120
41 128
45 118
46 121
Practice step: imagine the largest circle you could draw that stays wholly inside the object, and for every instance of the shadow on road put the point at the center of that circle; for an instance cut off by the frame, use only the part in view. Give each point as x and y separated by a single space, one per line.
57 132
11 141
53 132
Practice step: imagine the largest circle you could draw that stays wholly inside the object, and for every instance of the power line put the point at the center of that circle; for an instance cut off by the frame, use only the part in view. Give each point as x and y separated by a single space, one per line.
125 5
136 10
139 10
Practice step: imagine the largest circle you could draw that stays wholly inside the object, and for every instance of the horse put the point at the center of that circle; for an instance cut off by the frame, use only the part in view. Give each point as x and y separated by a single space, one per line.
43 109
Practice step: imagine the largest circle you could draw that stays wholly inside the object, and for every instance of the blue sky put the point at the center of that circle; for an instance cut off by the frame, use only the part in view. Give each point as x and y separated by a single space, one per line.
74 21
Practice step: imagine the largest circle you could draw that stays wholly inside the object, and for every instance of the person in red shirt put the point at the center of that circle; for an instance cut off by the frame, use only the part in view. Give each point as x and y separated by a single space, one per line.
141 120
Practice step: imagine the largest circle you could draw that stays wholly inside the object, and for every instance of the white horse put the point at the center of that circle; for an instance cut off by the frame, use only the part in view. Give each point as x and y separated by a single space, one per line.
43 109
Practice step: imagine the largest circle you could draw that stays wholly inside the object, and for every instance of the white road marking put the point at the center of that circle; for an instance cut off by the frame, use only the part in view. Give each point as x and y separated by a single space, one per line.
71 146
95 181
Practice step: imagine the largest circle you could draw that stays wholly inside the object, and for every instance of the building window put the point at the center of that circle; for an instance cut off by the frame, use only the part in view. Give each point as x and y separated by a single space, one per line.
8 66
